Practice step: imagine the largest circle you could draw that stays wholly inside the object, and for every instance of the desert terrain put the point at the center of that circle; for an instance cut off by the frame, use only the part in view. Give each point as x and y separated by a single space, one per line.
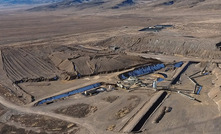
110 66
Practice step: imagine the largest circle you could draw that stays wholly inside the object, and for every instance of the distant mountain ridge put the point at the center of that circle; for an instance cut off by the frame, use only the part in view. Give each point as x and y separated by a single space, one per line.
51 5
84 4
66 4
27 1
124 3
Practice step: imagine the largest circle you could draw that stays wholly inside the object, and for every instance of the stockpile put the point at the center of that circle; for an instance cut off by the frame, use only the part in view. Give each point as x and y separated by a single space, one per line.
102 64
84 63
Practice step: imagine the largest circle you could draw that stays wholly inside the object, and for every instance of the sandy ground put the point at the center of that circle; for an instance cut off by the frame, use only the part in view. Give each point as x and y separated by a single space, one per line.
29 40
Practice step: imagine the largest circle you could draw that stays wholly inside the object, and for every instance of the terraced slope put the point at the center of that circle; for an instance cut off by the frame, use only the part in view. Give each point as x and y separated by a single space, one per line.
22 65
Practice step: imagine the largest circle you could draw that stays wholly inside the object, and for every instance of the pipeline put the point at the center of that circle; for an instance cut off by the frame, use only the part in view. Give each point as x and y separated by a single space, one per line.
141 71
67 94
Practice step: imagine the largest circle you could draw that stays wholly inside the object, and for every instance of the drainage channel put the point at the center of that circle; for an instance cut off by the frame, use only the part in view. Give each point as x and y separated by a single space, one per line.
139 120
149 112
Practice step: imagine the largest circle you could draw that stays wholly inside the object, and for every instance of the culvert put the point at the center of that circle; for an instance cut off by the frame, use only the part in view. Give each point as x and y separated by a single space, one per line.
139 120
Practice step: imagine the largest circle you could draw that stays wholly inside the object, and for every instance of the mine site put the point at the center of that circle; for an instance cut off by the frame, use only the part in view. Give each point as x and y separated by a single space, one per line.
110 67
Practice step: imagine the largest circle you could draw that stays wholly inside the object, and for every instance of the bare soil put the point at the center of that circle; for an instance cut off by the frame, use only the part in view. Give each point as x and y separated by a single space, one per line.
86 44
45 124
77 110
134 101
2 110
55 63
7 129
21 65
111 98
10 96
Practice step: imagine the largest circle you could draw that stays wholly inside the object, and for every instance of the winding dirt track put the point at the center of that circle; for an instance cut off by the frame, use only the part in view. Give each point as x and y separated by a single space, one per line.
50 114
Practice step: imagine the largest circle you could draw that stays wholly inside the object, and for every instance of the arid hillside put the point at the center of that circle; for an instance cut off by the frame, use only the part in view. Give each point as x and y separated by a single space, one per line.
110 67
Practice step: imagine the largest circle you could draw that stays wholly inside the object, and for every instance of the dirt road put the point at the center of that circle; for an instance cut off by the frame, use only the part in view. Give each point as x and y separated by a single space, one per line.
170 58
45 113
